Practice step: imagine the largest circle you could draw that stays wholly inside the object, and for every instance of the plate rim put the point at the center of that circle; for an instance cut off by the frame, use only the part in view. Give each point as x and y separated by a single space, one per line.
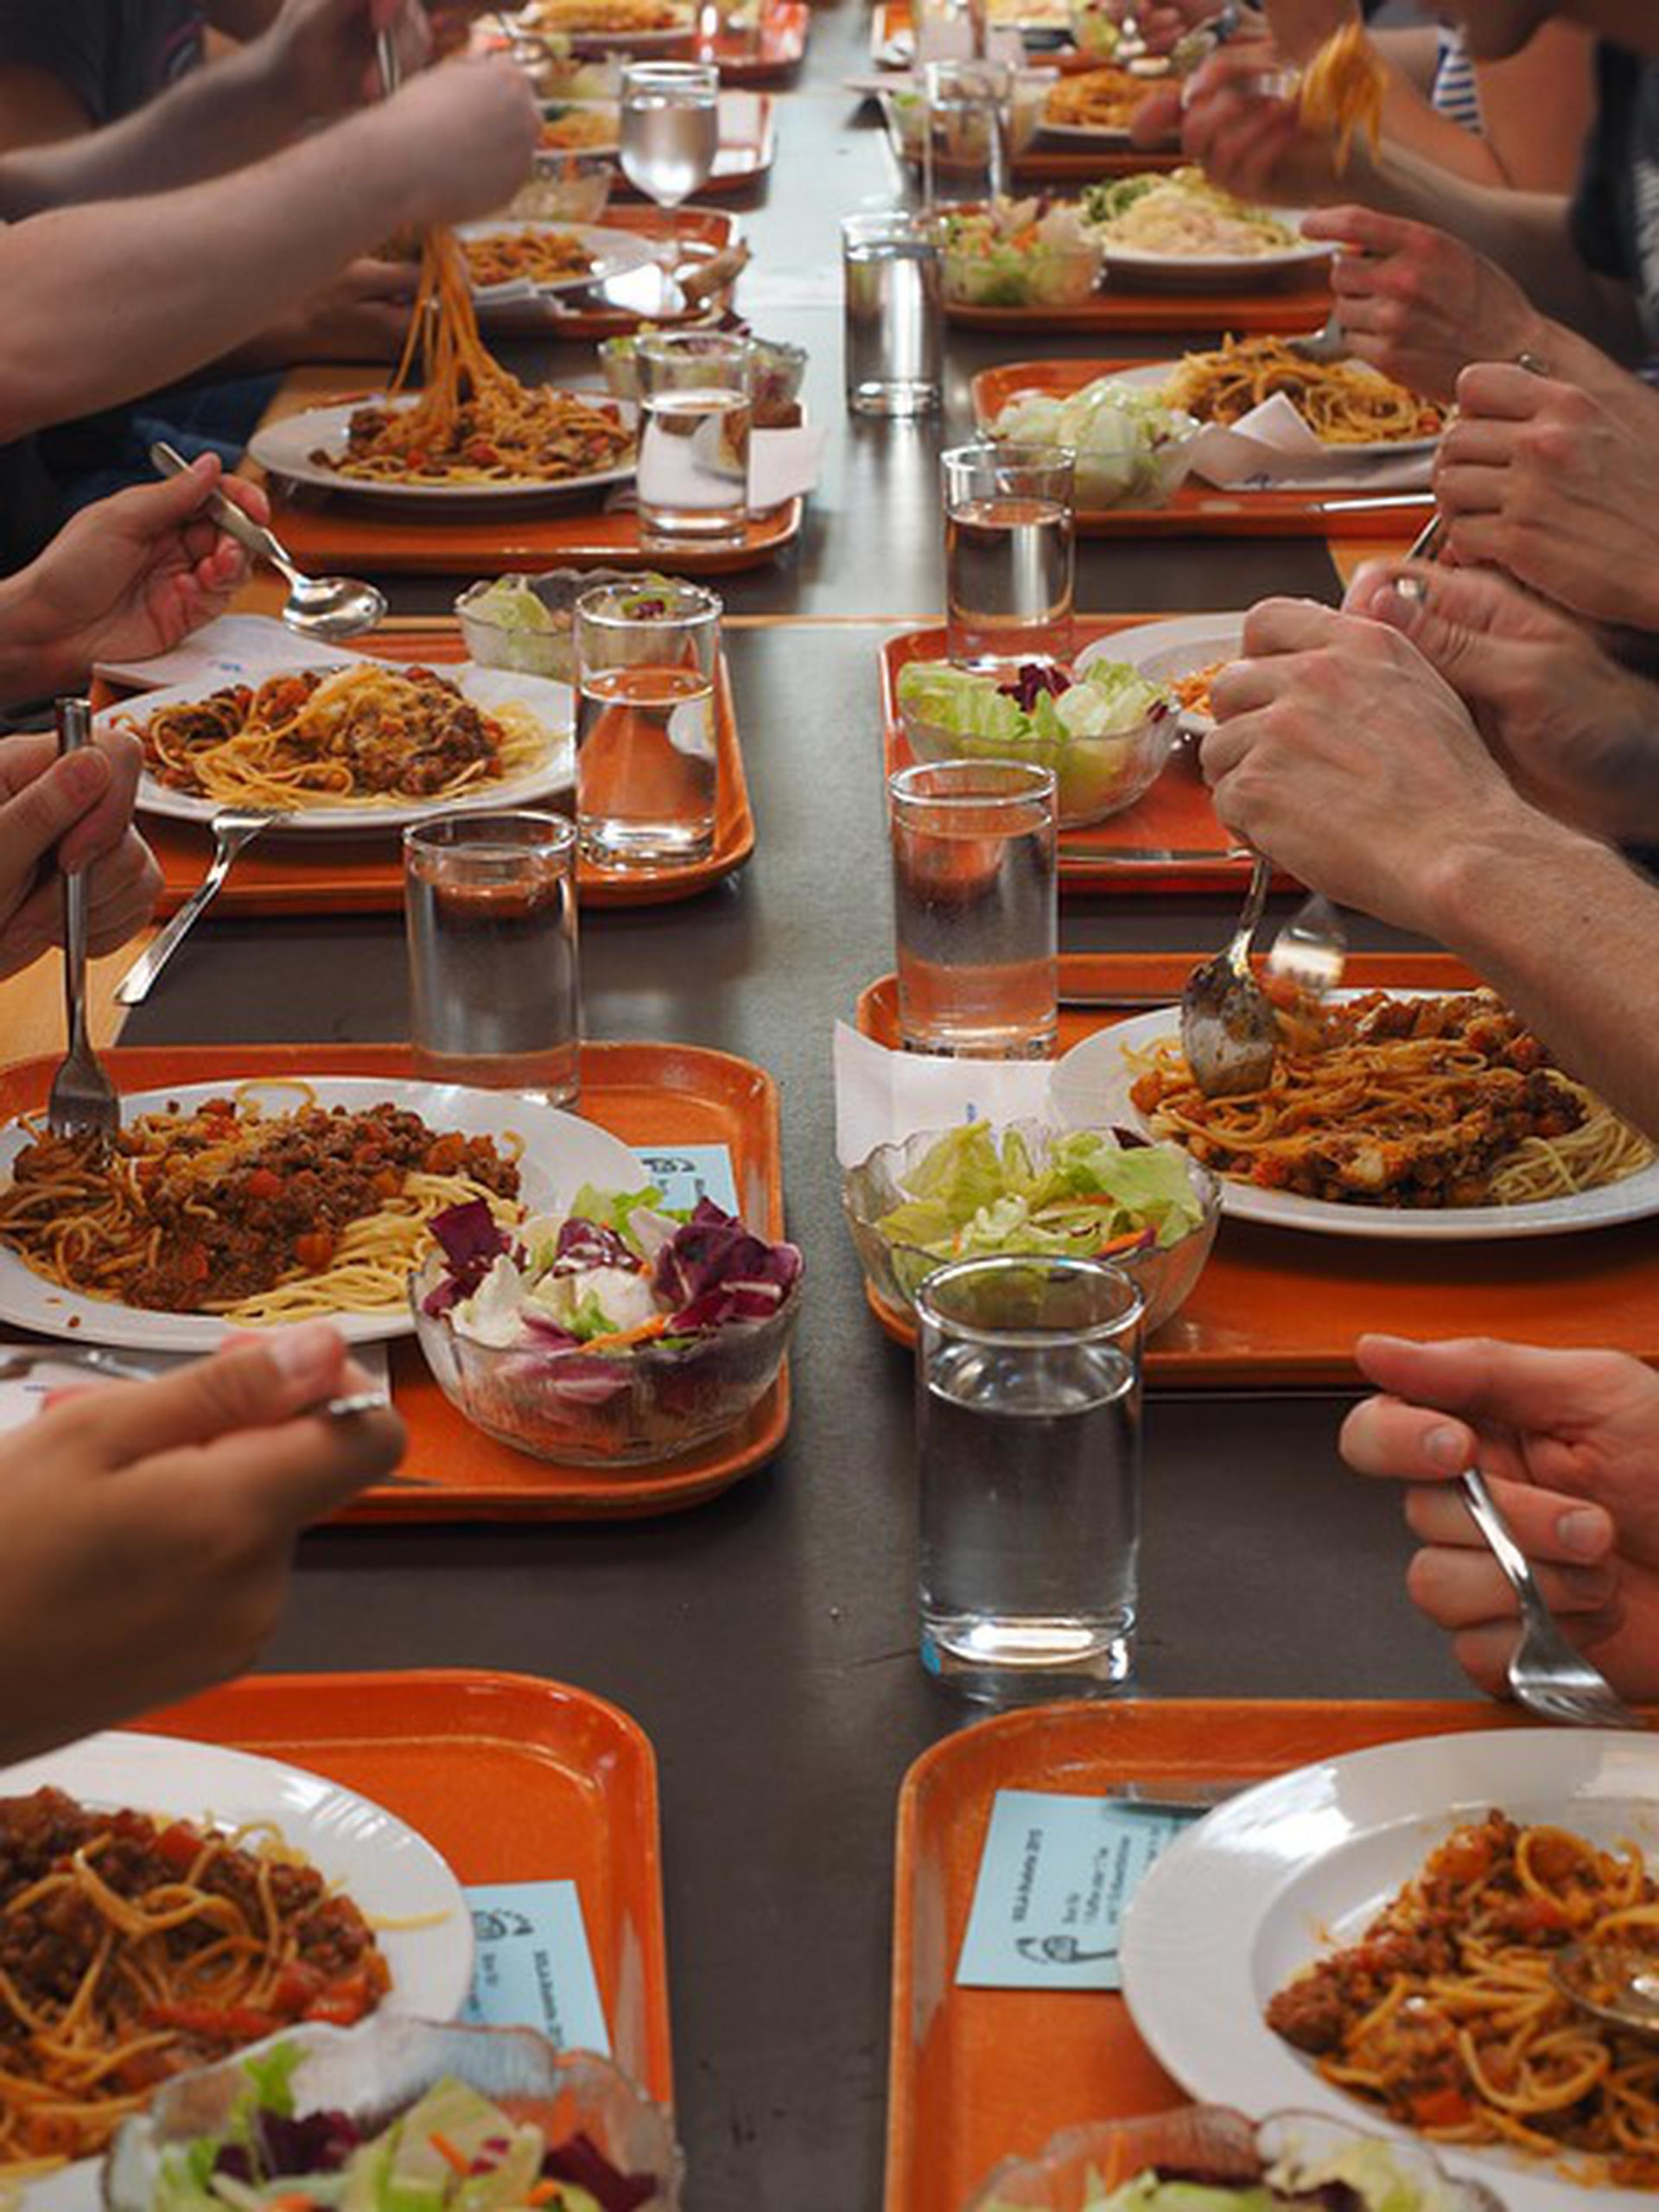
1404 1224
264 450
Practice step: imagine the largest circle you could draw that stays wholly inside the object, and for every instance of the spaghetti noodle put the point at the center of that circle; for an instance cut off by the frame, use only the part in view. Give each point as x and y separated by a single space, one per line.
1341 402
1395 1102
1191 691
132 1949
1343 89
1095 99
1445 2014
471 422
366 736
260 1219
606 18
527 257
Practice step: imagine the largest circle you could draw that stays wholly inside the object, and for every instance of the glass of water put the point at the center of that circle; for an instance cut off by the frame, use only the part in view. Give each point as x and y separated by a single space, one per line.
894 316
1028 1433
670 137
967 109
975 908
696 413
1009 554
647 777
490 902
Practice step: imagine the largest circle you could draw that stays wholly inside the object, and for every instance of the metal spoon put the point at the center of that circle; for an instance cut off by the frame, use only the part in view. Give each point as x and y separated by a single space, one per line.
1626 1988
318 607
1229 1030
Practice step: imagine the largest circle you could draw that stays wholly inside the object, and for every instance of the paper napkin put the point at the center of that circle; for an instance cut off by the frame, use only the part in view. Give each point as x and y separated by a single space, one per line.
882 1097
234 649
1273 445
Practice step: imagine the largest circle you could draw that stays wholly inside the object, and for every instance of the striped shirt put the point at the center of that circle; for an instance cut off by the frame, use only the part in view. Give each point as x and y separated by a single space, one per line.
1455 92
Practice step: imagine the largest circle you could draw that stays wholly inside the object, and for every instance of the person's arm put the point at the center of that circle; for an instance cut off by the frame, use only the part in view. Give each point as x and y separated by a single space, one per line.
1568 1442
317 60
146 1528
123 297
1417 824
37 108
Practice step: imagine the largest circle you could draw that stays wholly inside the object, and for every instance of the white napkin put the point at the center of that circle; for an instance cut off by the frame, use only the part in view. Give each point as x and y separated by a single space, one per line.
784 464
883 1097
234 649
1273 445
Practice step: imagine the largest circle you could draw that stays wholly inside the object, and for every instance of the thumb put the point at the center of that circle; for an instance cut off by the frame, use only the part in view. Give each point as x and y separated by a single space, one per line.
253 1384
1156 121
1437 610
1516 1385
150 509
34 819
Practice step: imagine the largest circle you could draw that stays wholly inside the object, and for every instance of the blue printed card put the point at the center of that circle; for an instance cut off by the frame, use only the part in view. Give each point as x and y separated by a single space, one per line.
686 1173
533 1968
1055 1879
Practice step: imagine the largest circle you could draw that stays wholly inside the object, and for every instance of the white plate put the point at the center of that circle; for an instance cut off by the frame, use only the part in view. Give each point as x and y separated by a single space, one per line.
561 1151
1267 1881
1091 1085
1088 134
385 1868
1161 652
615 253
552 703
285 448
630 43
1141 262
1156 374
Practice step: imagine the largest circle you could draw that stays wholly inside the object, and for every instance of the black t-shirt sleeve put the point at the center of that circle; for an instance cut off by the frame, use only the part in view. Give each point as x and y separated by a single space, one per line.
69 40
1601 210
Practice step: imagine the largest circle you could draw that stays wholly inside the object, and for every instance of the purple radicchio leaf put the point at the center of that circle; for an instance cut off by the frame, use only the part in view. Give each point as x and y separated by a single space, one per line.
715 1249
580 2161
1030 680
472 1242
590 1244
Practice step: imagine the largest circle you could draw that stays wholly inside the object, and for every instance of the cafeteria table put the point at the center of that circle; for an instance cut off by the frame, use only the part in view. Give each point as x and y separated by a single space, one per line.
767 1640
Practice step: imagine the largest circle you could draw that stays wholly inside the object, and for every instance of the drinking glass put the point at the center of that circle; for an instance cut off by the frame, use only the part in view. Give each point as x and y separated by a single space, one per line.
669 139
967 108
490 902
647 779
975 908
696 412
1009 554
894 320
1028 1436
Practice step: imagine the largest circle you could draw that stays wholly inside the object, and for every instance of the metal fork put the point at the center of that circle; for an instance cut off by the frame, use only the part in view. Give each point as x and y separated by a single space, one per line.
1546 1674
84 1101
233 826
18 1366
1329 344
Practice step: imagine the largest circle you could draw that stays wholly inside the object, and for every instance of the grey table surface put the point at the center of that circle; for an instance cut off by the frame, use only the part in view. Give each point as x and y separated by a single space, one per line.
767 1641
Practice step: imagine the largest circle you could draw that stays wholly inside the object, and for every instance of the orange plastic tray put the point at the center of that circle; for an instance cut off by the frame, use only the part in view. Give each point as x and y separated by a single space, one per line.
895 19
656 1095
1199 509
341 875
1170 841
1295 303
976 2075
1277 1311
513 1779
778 50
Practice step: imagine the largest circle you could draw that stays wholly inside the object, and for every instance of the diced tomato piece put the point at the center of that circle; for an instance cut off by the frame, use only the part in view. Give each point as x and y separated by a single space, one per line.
315 1249
178 1845
214 2023
1440 2108
296 1986
264 1183
345 2002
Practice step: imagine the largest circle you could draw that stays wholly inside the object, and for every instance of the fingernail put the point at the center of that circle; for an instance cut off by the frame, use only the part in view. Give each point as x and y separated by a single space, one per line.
1580 1531
1445 1447
307 1355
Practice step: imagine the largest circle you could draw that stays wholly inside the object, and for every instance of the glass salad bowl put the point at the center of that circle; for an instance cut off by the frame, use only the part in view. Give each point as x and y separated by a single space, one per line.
894 1269
906 112
1028 252
375 2072
1131 450
1295 2151
527 623
566 185
595 1409
777 372
1097 773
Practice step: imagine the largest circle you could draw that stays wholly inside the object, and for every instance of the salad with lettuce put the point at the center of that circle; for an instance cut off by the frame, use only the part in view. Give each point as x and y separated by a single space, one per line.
1088 1196
1018 253
1364 2175
1106 733
1132 449
454 2151
617 1272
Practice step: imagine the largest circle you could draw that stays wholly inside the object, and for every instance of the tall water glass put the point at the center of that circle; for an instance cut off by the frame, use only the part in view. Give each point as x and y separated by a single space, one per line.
895 316
1028 1433
490 902
647 776
670 136
975 908
696 413
1009 554
967 108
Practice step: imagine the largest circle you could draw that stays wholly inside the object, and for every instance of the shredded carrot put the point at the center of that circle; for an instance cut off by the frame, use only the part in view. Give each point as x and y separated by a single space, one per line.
297 2200
1116 2161
620 1339
446 2151
545 2192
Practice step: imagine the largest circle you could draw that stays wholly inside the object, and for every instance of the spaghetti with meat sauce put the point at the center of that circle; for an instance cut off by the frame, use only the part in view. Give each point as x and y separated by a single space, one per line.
1445 2014
1343 403
1397 1101
367 734
261 1219
133 1949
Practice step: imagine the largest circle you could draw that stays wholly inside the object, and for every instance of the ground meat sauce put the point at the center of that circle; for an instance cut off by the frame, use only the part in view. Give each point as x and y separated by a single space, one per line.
282 1202
332 1968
